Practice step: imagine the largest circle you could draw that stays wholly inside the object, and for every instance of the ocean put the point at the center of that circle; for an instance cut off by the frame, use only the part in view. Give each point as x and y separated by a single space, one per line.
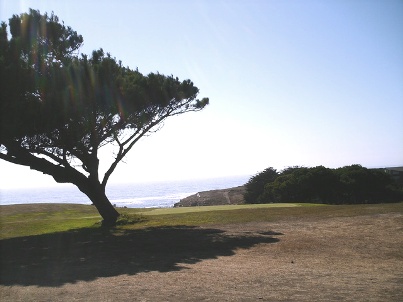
132 195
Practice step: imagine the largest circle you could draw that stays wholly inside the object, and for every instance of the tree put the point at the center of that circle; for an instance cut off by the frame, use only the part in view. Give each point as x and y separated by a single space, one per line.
59 108
301 184
361 185
347 185
255 185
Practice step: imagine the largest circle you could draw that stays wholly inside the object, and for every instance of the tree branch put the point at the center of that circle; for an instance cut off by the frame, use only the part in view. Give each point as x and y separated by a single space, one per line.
122 151
18 155
61 161
134 138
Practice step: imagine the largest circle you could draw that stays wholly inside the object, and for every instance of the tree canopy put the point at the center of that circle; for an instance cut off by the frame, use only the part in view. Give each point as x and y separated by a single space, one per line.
347 185
58 108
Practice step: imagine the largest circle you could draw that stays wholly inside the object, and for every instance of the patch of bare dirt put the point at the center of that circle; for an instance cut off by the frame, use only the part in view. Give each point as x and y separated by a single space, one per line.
333 259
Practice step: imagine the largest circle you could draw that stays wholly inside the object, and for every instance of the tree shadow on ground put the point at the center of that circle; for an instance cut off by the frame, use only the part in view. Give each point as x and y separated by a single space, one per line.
87 254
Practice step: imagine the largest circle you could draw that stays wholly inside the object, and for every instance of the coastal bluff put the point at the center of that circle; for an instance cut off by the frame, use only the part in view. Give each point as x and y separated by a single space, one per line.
214 197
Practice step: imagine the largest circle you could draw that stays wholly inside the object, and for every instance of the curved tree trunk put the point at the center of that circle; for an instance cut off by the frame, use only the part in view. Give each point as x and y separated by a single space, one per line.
96 193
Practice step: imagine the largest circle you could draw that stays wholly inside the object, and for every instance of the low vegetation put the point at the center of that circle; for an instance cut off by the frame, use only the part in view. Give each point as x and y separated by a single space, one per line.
347 185
37 219
303 251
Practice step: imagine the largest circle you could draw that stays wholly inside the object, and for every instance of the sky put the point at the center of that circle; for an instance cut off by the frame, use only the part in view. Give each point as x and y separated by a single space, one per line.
291 82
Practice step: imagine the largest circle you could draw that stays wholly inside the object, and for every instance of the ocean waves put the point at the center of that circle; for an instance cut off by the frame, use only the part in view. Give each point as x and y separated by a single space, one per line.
131 195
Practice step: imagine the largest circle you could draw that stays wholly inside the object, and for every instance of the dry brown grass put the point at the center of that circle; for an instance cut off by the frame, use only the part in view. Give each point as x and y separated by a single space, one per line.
338 257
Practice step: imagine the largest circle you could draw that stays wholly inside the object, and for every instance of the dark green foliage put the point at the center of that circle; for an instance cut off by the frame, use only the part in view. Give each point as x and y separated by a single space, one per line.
58 108
348 185
255 185
361 185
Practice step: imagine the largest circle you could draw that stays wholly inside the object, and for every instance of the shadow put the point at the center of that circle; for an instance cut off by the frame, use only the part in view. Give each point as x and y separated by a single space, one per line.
87 254
271 233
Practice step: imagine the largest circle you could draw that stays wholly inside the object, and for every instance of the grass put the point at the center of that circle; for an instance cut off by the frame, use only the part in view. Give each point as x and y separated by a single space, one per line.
160 211
37 219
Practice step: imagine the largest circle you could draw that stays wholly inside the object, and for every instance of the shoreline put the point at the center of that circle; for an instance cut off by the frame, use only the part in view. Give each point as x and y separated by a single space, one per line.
155 194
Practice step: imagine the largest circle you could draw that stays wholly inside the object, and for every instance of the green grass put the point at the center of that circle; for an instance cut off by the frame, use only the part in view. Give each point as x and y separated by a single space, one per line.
36 219
221 208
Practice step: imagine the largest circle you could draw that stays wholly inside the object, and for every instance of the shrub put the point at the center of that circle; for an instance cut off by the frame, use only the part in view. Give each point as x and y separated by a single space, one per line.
255 185
348 185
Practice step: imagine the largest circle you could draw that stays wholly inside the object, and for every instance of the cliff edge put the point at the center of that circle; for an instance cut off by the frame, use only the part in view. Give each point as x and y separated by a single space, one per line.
214 197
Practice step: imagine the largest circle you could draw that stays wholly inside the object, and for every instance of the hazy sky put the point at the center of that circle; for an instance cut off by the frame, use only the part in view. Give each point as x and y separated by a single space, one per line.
290 82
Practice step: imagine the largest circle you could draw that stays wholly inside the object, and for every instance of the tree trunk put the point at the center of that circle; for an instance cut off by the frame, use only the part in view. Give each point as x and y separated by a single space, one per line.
90 186
96 193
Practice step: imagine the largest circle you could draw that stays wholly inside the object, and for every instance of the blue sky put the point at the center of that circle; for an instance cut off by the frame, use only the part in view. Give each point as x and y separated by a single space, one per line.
290 82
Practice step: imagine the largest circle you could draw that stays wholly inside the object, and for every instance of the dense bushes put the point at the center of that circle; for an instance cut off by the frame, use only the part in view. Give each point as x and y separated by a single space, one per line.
347 185
255 186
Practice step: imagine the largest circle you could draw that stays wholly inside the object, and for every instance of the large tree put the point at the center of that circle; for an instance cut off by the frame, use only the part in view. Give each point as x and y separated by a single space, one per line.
58 108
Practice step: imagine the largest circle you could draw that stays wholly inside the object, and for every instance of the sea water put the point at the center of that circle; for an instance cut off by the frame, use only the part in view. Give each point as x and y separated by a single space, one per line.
132 195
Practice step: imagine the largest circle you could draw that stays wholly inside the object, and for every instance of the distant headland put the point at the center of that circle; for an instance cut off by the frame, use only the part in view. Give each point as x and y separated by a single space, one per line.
214 197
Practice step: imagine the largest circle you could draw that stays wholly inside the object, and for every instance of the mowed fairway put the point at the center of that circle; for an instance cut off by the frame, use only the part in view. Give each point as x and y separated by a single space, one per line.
36 219
277 252
164 211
